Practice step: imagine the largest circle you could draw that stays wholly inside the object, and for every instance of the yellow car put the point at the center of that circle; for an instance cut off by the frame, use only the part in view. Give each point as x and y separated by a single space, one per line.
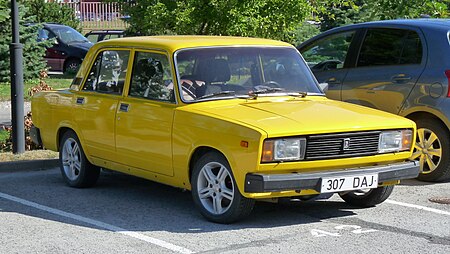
232 119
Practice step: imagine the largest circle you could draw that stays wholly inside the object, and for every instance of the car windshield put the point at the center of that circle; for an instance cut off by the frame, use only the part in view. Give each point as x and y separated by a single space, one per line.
228 72
69 35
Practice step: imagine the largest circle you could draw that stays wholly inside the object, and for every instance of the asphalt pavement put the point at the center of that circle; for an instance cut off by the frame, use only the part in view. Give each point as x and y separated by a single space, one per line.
124 214
5 112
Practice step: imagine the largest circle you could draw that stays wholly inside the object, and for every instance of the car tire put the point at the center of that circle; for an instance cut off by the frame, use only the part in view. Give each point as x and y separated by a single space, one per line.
215 192
71 66
76 170
367 198
434 157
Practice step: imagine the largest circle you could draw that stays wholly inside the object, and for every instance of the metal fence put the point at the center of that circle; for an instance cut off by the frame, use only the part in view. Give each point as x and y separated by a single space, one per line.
98 15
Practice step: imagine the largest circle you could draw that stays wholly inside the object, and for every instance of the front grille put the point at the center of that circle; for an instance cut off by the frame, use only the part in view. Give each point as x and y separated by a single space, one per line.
341 145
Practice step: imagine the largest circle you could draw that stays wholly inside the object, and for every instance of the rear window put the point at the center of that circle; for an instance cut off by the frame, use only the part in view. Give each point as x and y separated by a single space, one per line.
383 46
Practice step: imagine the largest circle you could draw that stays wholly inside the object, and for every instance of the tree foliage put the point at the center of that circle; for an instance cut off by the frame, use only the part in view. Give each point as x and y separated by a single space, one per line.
334 13
33 51
43 11
275 19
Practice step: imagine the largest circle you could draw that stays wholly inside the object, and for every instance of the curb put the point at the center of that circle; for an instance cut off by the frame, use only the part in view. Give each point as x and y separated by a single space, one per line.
29 165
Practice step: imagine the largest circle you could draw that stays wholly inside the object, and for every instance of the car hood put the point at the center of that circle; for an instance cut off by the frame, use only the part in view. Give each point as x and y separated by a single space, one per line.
300 116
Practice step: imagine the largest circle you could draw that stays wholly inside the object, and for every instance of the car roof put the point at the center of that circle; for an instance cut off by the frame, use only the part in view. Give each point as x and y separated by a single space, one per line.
425 22
429 23
106 31
175 42
53 25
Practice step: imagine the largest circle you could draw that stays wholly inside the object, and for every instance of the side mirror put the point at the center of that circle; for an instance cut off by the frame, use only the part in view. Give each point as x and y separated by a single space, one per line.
323 87
54 41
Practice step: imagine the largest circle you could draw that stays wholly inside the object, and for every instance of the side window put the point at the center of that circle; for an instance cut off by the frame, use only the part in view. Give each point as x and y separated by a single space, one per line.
92 38
390 47
328 53
152 77
412 49
108 72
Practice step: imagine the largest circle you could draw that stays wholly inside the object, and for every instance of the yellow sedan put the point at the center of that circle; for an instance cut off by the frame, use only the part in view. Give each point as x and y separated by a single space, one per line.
232 119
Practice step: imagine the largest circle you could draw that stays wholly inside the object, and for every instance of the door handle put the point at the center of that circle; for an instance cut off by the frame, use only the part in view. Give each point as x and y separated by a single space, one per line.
80 100
400 78
124 107
333 81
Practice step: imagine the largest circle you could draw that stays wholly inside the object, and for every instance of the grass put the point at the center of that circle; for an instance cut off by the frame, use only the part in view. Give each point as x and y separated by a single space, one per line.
55 81
28 155
4 135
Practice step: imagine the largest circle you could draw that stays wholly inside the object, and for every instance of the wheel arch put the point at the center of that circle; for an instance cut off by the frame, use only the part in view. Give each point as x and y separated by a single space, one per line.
60 134
426 115
198 153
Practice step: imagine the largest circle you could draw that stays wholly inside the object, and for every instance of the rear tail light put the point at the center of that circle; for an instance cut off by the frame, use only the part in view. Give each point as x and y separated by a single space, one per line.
447 73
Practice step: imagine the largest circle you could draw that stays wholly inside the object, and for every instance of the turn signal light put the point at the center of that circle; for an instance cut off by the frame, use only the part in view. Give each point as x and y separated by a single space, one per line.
267 153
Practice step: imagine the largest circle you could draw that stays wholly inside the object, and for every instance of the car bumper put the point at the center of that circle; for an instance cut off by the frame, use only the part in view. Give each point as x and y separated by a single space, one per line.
260 183
35 136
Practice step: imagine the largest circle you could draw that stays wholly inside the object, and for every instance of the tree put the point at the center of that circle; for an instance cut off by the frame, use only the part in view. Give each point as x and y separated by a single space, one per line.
276 19
334 13
392 9
52 12
33 51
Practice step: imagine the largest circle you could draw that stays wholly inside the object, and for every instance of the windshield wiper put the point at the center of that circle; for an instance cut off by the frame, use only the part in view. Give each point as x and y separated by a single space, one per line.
216 94
298 94
267 90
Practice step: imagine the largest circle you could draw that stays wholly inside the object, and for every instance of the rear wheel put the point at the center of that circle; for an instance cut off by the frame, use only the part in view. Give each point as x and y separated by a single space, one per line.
215 192
367 197
76 170
432 150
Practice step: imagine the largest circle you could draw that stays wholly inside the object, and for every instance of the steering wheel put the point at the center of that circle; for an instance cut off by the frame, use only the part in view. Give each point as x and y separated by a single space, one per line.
272 84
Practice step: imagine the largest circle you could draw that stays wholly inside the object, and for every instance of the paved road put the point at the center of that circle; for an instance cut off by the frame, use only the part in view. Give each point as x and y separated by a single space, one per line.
5 111
123 214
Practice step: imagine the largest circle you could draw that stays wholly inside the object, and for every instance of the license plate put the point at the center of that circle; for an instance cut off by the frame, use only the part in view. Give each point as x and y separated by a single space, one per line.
347 183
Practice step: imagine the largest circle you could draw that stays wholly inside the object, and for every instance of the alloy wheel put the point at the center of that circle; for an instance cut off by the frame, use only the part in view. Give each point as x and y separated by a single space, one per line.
71 159
428 150
215 188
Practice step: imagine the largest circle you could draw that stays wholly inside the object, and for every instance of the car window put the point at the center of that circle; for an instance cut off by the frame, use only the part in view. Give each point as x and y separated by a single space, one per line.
108 72
68 35
228 72
384 46
328 53
92 37
151 77
111 36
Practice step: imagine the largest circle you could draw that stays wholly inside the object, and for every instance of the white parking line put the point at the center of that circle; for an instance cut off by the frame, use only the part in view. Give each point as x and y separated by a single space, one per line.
99 224
417 207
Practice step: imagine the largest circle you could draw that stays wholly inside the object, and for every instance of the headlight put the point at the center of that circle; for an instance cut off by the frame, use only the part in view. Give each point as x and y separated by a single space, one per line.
286 149
395 141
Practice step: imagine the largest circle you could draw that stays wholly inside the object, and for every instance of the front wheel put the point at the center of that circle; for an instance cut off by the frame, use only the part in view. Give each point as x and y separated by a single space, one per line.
71 66
367 197
215 192
76 170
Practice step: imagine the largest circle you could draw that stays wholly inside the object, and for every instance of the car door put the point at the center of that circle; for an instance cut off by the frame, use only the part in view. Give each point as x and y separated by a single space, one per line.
145 116
388 65
55 54
97 102
328 59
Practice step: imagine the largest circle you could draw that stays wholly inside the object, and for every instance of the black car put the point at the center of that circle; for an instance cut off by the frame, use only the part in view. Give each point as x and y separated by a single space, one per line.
68 50
100 35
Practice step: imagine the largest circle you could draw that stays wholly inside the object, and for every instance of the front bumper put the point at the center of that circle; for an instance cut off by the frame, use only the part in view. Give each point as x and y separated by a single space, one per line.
259 183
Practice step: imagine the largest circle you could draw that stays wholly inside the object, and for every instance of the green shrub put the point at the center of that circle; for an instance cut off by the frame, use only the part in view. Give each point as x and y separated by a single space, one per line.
33 51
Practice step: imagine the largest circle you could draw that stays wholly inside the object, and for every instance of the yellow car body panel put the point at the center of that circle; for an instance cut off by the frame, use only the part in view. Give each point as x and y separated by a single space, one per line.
158 140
